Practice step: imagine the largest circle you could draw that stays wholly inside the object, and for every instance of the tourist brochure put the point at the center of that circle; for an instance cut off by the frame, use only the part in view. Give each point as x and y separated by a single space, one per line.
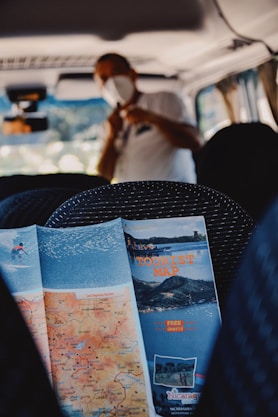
124 313
178 306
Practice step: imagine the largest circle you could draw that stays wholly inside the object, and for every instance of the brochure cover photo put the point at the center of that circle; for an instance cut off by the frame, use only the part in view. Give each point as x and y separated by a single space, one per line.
178 306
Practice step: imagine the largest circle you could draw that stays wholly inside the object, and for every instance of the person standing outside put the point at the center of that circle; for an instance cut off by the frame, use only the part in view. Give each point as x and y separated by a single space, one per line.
150 135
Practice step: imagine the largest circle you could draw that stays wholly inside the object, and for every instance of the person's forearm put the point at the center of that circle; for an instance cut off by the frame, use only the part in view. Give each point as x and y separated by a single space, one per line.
179 134
107 162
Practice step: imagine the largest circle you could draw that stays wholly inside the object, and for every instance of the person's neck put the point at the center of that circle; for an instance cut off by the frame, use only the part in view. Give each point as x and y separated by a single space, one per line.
133 101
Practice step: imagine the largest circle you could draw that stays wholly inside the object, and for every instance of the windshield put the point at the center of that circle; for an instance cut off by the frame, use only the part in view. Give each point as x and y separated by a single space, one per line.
71 143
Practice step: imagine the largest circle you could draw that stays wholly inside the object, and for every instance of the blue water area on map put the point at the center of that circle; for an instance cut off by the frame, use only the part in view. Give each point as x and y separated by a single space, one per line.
84 257
201 323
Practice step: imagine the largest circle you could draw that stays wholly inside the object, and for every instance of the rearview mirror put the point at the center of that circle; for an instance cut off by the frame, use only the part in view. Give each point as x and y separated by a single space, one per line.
26 92
25 123
24 117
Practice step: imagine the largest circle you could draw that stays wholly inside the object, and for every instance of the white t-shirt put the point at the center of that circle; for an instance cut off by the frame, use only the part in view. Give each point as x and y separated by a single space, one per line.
145 154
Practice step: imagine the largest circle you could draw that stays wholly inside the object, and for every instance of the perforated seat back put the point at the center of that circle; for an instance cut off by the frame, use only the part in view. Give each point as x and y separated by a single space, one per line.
32 206
17 183
229 227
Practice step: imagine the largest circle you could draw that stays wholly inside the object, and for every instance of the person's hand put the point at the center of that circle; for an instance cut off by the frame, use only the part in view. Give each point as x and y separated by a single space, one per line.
115 123
136 115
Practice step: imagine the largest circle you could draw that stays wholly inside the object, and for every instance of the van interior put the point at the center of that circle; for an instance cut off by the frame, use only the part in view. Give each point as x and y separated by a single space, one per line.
221 56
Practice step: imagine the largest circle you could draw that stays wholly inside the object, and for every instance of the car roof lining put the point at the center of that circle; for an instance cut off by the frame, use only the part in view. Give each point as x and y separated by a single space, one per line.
190 39
40 18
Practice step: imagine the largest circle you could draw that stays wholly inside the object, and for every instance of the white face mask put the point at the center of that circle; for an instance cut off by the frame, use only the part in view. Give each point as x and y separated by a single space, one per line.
118 90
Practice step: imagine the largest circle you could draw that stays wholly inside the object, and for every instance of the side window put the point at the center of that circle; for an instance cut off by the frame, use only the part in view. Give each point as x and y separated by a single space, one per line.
211 112
238 98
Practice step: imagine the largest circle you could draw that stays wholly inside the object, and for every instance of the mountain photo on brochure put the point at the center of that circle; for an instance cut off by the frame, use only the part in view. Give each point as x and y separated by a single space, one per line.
75 291
178 306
